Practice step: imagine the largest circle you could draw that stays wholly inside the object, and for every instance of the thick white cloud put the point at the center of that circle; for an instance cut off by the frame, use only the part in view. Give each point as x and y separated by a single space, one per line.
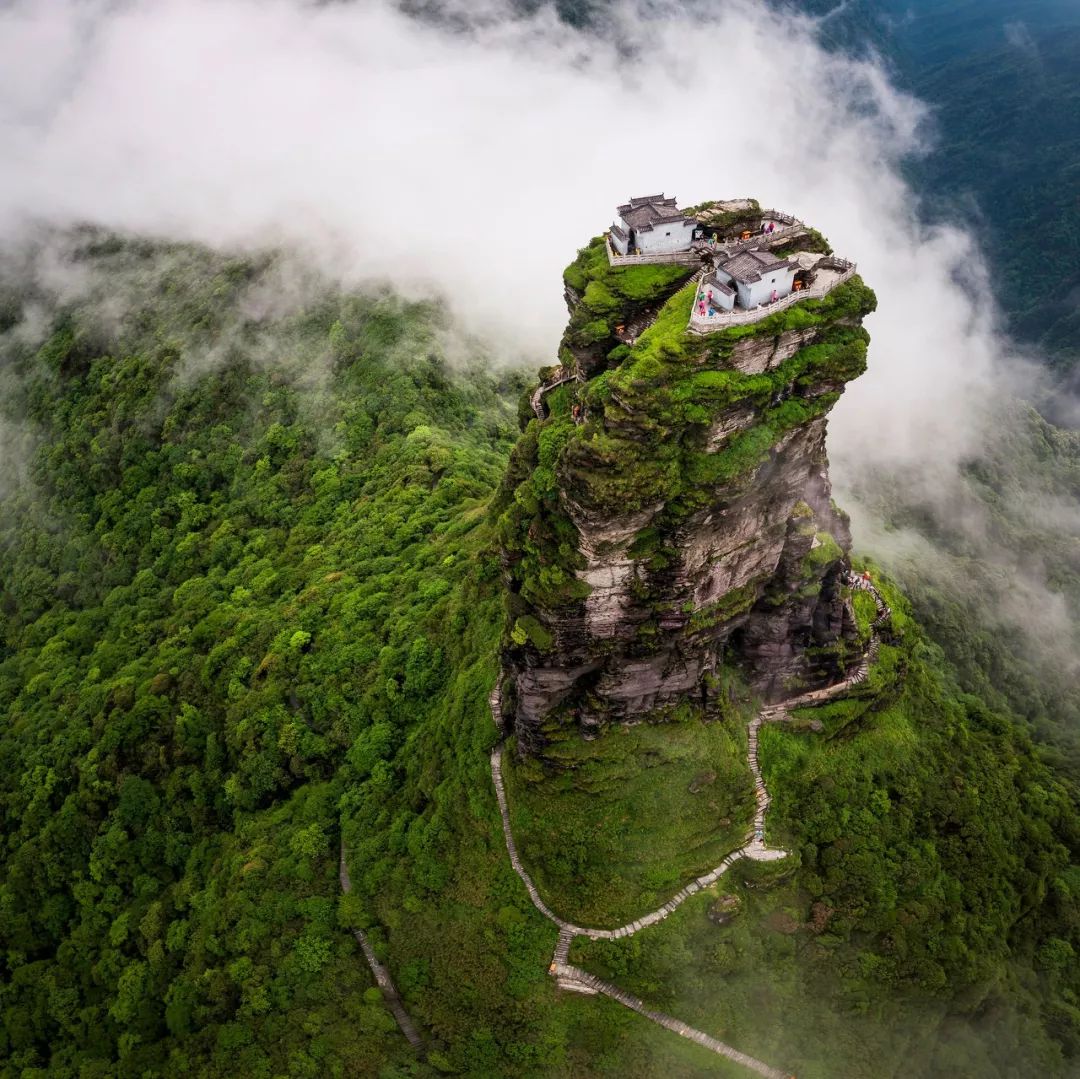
474 163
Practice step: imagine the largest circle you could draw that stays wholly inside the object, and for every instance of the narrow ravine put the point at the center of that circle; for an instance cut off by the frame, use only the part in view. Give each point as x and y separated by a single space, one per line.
575 979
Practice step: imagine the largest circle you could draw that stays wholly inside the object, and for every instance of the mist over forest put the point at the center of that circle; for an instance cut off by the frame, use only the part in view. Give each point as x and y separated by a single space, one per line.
275 283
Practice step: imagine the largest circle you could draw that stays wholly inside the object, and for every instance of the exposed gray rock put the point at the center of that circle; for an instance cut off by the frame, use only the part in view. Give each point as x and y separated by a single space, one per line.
752 355
746 568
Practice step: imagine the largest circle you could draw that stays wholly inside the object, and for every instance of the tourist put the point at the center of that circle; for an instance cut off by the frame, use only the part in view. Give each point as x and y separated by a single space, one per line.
774 296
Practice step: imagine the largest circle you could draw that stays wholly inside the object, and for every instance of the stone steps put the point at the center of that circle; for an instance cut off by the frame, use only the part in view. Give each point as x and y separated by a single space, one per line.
574 979
380 972
537 399
578 980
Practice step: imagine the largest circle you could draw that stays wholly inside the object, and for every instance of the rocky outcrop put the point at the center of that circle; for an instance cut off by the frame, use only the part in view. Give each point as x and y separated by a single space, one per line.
752 355
687 524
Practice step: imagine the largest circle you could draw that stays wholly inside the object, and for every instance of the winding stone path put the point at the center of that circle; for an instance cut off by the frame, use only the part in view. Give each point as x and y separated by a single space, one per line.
560 375
577 980
581 981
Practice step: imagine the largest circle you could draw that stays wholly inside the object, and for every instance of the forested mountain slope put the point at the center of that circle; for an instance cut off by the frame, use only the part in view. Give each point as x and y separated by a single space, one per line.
225 588
250 610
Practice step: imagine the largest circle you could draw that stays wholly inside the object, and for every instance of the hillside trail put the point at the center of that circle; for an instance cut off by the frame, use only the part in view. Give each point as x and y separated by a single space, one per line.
577 980
558 377
382 975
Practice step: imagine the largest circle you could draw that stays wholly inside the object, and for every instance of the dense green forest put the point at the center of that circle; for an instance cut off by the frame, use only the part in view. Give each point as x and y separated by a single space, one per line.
233 588
250 611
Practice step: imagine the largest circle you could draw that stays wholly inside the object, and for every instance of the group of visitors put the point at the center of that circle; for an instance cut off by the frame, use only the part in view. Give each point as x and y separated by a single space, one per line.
705 303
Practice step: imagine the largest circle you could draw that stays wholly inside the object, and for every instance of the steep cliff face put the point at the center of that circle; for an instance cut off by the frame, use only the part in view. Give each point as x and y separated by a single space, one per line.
683 521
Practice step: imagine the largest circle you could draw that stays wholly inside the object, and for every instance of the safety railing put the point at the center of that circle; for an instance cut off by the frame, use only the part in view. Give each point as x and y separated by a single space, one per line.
721 320
688 257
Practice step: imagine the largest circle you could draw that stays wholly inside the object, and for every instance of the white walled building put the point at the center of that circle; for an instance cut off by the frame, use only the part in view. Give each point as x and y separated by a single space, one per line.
652 224
757 276
720 295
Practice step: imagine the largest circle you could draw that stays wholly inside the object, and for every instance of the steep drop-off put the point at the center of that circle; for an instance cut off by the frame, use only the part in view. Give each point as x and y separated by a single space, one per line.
673 511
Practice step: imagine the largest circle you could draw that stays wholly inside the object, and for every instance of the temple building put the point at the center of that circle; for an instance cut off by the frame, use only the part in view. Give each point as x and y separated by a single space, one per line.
752 277
652 224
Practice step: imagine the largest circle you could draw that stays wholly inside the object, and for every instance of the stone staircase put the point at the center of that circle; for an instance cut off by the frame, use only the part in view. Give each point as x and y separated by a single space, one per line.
557 378
779 712
574 979
381 974
581 981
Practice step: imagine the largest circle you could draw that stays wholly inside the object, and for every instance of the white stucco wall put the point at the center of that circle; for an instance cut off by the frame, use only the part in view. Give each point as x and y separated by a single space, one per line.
673 237
761 291
720 301
618 244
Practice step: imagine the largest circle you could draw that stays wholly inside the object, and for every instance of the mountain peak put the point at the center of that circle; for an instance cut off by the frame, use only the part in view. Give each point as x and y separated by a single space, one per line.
669 508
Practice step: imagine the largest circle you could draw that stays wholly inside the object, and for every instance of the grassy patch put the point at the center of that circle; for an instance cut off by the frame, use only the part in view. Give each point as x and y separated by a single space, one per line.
614 830
610 295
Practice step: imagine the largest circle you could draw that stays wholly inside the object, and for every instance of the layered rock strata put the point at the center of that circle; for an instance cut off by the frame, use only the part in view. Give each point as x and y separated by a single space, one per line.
681 520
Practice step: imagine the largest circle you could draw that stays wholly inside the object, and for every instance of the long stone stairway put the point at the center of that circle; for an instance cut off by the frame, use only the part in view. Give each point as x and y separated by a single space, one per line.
381 974
560 376
574 979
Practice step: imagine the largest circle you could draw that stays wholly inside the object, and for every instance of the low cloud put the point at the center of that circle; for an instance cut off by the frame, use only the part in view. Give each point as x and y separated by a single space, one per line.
470 158
1019 36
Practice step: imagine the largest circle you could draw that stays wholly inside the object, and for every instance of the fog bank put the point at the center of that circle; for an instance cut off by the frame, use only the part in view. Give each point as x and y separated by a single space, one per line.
471 163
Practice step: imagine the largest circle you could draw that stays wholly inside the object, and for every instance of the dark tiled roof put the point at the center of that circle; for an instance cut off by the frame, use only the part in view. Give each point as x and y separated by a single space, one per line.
616 231
718 286
644 212
678 219
645 200
748 266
